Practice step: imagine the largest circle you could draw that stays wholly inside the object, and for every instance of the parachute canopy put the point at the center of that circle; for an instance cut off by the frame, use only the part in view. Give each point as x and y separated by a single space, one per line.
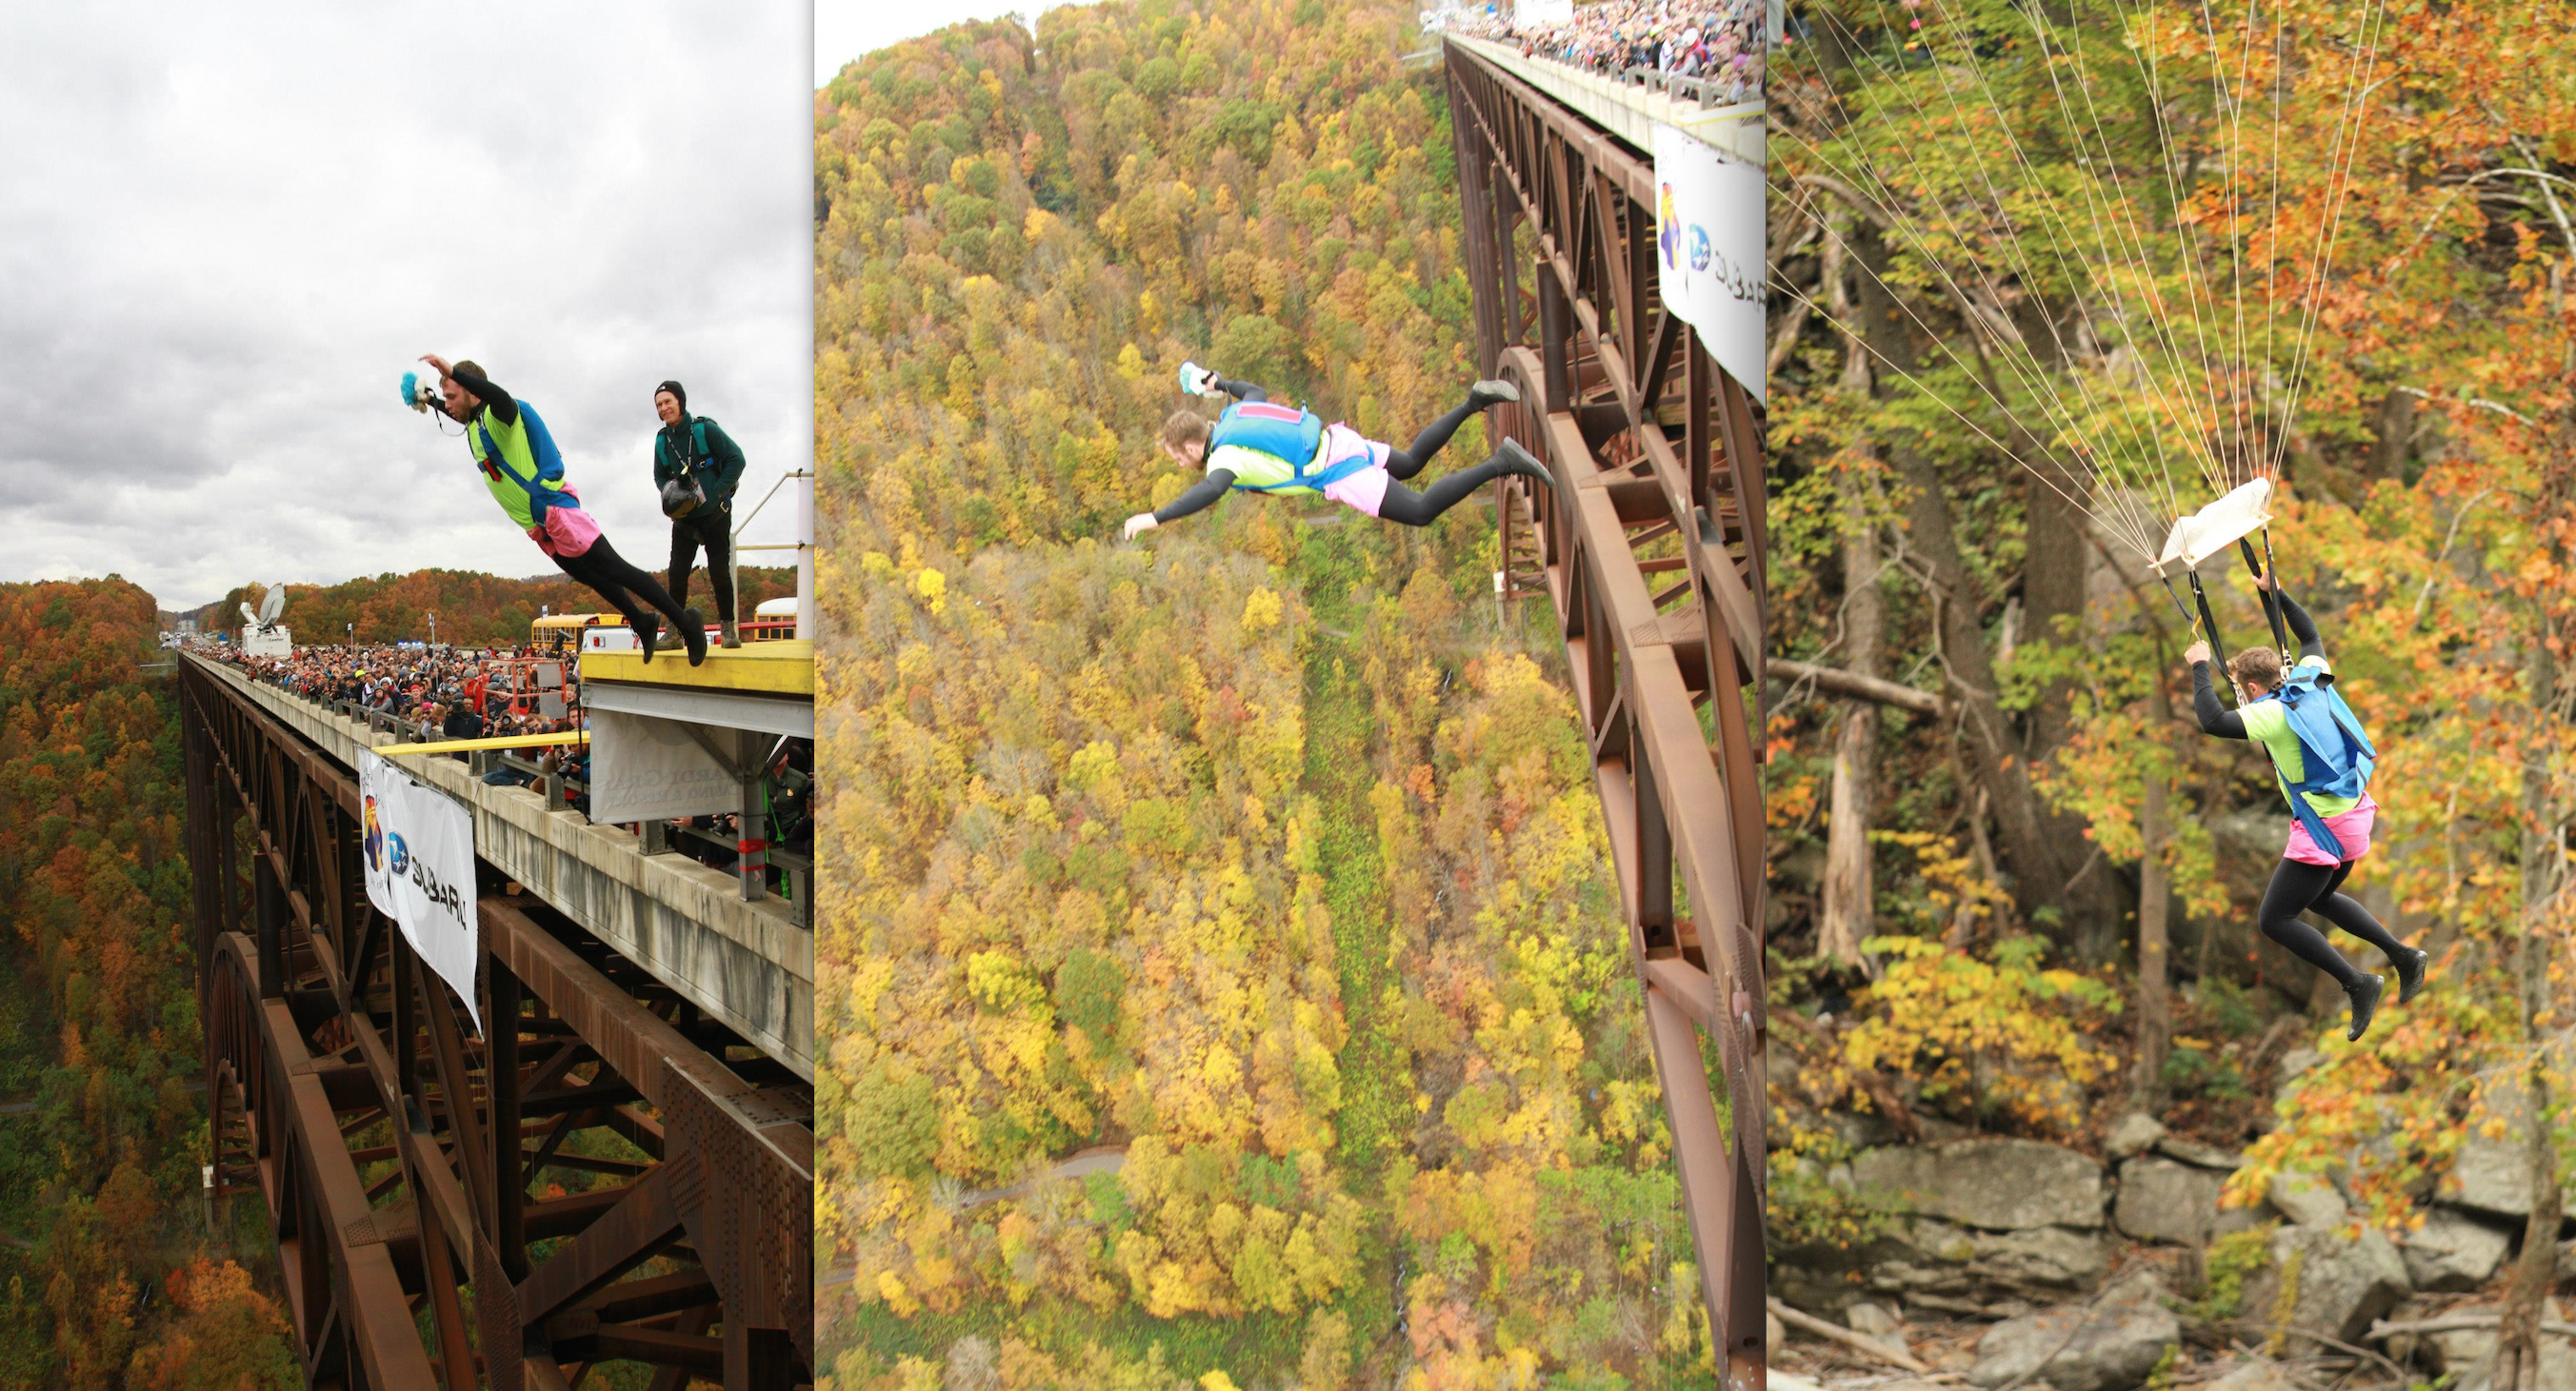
2214 528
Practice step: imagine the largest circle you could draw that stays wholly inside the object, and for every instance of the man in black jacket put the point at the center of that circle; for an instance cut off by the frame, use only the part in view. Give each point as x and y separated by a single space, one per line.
696 450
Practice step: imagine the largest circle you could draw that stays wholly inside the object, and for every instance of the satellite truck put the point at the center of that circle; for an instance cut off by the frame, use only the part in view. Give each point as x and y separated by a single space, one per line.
262 635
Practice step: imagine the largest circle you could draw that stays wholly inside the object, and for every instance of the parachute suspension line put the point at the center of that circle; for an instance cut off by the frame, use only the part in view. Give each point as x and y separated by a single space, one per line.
2131 248
2168 164
2274 595
2238 411
2269 594
2356 108
2125 537
2032 375
2280 68
2158 315
2209 633
2025 367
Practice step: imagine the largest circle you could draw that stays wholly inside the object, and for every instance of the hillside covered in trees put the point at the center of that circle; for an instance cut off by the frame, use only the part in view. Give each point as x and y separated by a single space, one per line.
474 609
1227 981
1259 855
109 1275
2045 278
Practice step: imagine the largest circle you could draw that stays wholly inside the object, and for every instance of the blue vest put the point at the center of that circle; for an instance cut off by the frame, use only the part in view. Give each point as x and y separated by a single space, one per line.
1287 434
2334 753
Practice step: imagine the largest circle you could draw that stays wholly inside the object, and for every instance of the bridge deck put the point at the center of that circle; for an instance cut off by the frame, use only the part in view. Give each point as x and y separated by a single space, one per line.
1627 110
746 964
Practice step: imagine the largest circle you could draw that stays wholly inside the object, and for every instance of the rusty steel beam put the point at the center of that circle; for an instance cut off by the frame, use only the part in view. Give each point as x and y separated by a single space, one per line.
1651 549
396 1152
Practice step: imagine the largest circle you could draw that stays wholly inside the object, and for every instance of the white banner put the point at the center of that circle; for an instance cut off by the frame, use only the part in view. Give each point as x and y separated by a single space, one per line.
1709 250
419 857
643 768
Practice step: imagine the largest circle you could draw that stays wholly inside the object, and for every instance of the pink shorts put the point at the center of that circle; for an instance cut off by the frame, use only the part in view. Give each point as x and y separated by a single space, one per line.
568 530
2352 828
1366 489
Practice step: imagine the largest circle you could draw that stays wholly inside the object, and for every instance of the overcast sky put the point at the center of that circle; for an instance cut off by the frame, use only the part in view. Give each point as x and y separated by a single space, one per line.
226 231
845 29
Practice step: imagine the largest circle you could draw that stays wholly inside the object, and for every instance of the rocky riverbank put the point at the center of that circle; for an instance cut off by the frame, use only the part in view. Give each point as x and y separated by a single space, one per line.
2014 1264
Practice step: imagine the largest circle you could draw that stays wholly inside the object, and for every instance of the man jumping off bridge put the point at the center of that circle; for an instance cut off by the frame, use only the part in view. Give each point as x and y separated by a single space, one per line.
525 472
1257 447
2322 761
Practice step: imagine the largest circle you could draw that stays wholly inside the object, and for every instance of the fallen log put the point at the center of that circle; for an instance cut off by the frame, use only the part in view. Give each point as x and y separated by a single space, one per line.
1858 1342
1854 686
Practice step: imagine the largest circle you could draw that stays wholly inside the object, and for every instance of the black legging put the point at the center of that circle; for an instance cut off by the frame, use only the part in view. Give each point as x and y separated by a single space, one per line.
1402 504
712 527
1408 461
620 583
2297 887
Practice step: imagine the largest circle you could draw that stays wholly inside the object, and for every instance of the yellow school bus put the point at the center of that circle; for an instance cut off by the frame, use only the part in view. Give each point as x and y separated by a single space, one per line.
559 635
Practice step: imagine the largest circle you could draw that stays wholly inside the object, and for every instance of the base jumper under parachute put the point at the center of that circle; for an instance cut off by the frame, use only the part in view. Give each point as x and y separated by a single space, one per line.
2321 758
1260 447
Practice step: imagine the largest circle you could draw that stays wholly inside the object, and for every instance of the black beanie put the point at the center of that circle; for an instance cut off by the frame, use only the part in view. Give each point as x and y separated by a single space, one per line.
678 392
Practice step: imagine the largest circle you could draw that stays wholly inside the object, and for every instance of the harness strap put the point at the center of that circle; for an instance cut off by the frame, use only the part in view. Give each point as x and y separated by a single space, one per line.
1318 480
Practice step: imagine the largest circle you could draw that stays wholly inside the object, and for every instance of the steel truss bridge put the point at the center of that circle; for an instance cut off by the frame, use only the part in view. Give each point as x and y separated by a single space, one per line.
610 1173
1651 548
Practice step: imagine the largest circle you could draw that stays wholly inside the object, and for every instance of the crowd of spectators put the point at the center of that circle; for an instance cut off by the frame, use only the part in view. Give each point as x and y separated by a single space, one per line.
1716 39
442 693
433 692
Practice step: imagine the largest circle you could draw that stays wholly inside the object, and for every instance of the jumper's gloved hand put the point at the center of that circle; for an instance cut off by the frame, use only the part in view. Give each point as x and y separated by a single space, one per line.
1142 521
1197 380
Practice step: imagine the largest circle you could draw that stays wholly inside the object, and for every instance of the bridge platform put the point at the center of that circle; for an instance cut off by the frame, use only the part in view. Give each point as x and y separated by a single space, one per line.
745 963
1628 110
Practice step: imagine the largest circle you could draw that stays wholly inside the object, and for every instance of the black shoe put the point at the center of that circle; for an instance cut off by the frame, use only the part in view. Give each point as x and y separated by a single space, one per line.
1492 393
2365 1002
693 634
1518 460
2410 973
647 633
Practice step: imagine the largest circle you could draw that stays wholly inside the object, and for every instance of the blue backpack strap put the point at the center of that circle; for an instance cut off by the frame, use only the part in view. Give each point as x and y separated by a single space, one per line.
2317 712
1319 480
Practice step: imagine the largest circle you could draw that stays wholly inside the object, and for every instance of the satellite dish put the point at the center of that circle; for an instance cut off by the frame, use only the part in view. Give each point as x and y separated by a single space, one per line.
270 606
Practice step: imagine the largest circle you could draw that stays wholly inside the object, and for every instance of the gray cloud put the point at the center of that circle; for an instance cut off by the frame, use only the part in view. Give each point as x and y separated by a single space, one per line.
224 237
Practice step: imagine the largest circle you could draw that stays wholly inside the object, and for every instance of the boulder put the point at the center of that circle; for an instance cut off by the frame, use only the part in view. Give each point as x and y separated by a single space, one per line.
2260 1374
1775 1336
2332 1282
2454 1252
2110 1345
1997 1185
1929 1256
1871 1319
2161 1200
2307 1200
2194 1153
2493 1176
2300 1059
2131 1134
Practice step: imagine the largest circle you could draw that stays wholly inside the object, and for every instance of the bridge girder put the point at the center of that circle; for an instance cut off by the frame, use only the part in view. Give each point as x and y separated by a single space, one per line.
1651 548
395 1152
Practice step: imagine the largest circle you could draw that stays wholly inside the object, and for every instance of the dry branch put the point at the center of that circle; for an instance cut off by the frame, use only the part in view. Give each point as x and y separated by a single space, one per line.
1858 1342
1853 686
